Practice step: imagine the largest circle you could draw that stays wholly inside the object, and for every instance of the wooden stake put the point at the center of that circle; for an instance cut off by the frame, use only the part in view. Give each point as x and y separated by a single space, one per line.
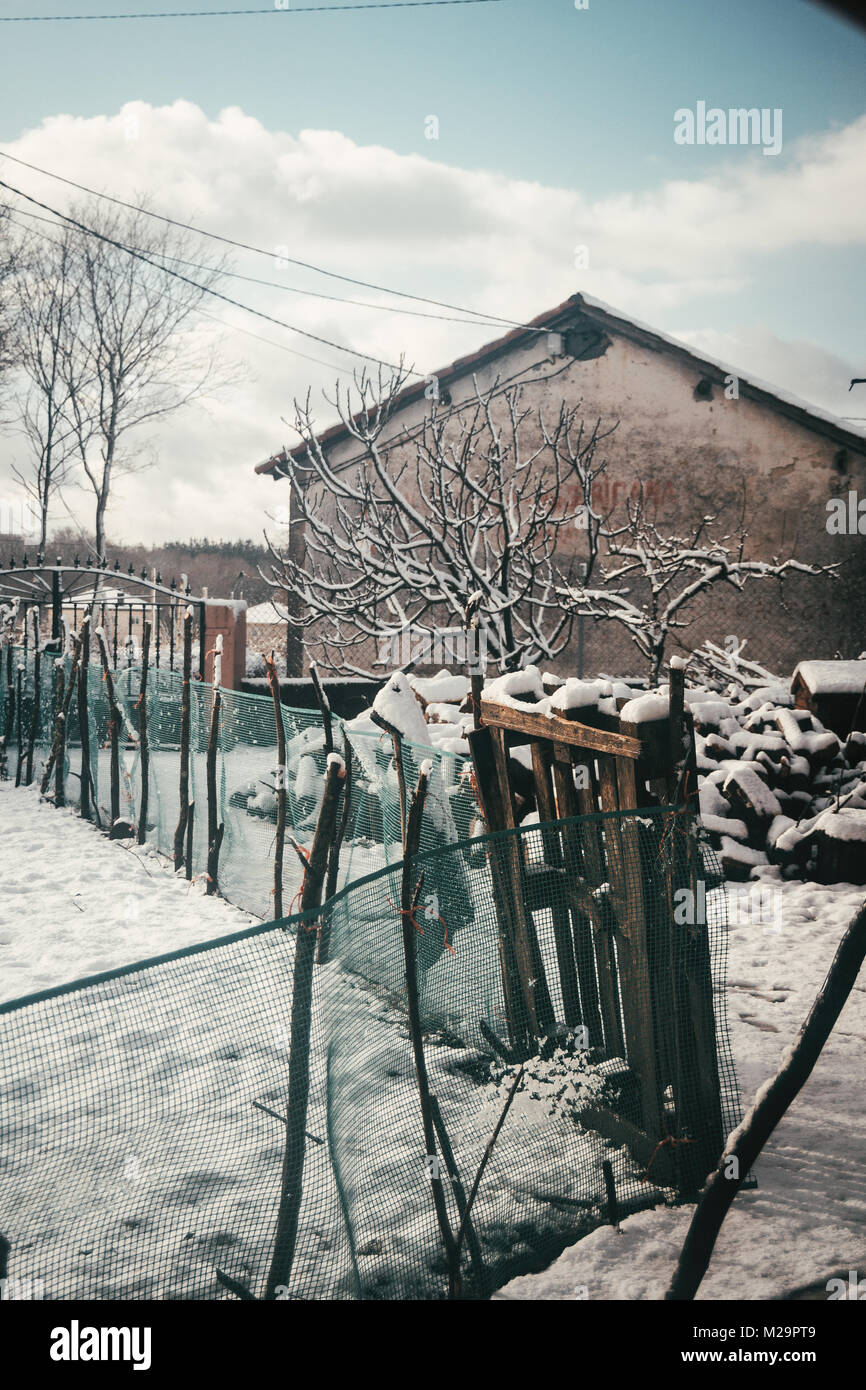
84 722
299 1037
115 831
410 893
184 740
19 690
34 718
215 831
280 842
143 744
323 953
190 820
64 699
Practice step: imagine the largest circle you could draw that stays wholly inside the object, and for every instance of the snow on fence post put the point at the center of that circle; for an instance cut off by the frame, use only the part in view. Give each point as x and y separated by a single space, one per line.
215 830
84 721
280 842
143 744
184 740
315 865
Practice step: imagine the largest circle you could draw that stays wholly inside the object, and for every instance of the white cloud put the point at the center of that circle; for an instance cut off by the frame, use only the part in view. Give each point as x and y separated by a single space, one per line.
502 245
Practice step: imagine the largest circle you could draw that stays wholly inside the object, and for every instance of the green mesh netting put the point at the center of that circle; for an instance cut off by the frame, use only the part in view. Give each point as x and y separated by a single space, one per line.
247 774
144 1111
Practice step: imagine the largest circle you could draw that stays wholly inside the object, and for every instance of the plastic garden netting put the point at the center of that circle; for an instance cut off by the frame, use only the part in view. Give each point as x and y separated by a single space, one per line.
247 774
144 1111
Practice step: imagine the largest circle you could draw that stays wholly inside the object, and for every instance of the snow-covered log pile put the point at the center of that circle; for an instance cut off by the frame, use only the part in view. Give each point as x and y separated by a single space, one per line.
776 786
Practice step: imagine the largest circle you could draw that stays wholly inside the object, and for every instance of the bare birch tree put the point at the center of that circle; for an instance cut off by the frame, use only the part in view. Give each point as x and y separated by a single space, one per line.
47 304
136 351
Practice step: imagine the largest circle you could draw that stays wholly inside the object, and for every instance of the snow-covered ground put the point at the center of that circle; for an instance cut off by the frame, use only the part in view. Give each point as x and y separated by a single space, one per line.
807 1218
73 904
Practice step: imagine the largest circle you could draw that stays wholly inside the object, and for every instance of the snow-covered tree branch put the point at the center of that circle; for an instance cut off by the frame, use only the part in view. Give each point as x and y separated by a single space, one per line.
480 499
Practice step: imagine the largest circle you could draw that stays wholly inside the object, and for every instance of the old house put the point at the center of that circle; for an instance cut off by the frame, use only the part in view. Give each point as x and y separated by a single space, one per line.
700 439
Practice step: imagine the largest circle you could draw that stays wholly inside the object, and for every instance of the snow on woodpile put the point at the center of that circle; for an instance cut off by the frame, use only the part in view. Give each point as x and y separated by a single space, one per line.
646 709
831 677
440 689
516 688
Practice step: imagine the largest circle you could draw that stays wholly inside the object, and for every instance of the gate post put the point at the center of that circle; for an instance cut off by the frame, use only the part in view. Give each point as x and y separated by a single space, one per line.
56 604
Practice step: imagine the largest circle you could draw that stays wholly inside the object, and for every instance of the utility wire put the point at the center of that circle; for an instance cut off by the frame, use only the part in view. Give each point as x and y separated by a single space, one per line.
214 318
205 289
214 14
259 251
294 289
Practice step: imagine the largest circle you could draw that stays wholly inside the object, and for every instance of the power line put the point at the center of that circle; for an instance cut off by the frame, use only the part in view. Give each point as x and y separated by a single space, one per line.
294 289
214 318
214 14
205 289
258 250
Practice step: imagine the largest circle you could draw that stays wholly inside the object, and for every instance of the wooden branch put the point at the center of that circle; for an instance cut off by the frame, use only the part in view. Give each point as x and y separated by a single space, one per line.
184 741
143 743
324 706
772 1102
299 1037
454 1289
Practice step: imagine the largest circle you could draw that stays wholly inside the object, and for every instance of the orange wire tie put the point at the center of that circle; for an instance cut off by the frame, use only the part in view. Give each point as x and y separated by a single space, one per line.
410 913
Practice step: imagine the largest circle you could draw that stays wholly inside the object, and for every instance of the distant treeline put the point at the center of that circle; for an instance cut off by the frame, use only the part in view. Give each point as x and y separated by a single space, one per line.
227 569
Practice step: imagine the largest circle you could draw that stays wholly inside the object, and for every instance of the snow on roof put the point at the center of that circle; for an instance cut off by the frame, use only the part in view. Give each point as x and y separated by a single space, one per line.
832 677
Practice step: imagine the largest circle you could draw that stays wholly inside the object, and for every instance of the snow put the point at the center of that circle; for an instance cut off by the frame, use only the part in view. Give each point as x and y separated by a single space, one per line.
442 688
754 788
845 824
832 677
75 903
807 1217
645 709
577 694
515 686
397 705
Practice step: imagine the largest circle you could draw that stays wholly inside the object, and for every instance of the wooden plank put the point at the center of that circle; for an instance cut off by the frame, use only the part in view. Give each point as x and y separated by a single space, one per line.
541 764
597 969
506 865
489 798
631 956
561 730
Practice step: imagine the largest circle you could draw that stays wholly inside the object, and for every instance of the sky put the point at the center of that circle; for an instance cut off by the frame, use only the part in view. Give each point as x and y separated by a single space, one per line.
307 135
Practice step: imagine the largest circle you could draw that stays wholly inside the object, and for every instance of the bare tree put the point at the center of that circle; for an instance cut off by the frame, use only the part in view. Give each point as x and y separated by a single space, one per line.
473 502
663 576
7 268
47 304
136 361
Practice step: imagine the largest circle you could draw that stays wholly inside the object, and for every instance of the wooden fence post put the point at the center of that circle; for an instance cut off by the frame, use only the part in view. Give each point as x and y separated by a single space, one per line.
291 1186
215 830
143 743
280 840
84 721
184 740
